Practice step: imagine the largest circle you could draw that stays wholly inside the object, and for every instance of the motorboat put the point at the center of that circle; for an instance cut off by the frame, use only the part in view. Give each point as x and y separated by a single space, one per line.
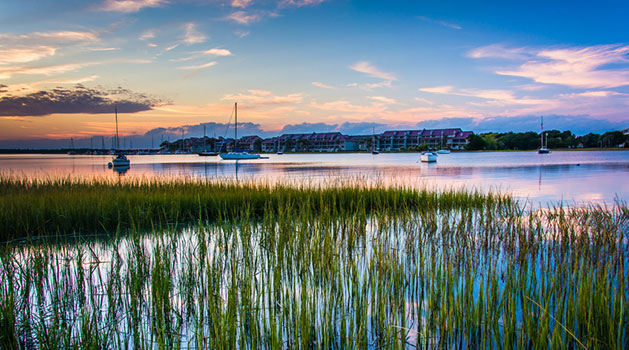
237 154
443 151
428 157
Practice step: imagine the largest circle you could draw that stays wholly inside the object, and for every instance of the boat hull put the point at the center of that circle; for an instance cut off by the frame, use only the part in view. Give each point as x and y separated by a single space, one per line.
239 155
208 154
543 151
443 151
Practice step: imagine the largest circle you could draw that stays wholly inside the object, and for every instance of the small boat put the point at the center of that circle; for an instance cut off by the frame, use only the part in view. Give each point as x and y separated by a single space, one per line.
121 160
443 151
543 147
428 157
237 155
279 153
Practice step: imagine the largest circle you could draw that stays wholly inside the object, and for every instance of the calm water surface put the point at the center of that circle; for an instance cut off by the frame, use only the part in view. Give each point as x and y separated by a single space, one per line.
571 177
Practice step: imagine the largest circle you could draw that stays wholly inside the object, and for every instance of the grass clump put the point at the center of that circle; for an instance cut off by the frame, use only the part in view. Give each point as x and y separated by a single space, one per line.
340 268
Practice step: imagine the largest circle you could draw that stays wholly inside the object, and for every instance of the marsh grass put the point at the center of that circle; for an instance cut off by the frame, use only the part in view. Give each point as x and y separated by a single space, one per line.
253 266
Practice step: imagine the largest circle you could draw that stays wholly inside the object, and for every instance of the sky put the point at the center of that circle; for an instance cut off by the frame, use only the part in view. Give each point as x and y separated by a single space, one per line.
169 66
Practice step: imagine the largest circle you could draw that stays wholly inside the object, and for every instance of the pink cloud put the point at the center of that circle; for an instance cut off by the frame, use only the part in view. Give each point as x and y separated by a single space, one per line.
367 68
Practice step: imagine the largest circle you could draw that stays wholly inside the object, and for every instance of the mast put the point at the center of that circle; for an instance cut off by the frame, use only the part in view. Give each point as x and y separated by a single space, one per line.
236 126
117 138
204 138
542 133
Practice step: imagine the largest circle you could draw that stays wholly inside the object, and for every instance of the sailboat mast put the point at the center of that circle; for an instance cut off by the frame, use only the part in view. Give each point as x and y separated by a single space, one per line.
236 126
542 132
204 138
117 138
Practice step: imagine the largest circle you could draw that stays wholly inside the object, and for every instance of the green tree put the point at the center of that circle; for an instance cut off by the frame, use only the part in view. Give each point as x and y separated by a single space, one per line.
475 143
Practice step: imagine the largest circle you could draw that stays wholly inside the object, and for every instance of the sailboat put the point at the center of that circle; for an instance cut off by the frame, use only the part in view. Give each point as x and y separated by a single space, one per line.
205 152
121 160
543 147
236 154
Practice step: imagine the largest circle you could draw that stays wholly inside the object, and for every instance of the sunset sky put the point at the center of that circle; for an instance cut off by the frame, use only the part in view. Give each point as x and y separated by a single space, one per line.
309 65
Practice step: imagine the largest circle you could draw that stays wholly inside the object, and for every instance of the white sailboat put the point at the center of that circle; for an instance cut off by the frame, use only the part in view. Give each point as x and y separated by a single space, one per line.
543 147
121 160
236 154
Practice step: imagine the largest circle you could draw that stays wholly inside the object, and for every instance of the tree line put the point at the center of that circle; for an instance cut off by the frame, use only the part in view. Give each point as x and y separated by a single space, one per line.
556 139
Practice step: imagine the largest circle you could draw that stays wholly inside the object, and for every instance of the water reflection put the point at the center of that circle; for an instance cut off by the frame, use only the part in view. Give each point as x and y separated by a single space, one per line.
588 175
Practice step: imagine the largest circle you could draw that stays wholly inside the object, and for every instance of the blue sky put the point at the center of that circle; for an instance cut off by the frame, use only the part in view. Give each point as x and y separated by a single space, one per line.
296 63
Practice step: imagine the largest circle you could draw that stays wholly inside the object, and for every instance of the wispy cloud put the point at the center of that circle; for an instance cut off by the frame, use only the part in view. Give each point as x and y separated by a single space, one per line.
300 3
8 72
263 97
322 85
192 36
440 22
55 37
242 17
215 52
599 66
367 68
24 48
241 3
201 66
130 6
149 34
25 54
503 96
382 99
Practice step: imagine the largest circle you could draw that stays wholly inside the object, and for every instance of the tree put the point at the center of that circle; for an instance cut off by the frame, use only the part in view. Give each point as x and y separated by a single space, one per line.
613 138
475 143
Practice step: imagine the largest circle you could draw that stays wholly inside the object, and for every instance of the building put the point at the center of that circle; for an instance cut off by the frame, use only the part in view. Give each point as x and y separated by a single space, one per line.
396 140
312 142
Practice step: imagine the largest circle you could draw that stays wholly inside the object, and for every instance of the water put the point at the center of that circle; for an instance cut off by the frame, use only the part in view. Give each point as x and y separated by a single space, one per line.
569 176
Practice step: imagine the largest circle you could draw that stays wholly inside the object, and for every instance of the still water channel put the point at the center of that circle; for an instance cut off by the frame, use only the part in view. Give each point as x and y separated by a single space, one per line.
571 177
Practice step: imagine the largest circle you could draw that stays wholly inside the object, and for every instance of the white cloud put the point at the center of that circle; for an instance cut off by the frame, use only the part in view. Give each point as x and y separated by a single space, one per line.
130 6
192 36
217 52
366 68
